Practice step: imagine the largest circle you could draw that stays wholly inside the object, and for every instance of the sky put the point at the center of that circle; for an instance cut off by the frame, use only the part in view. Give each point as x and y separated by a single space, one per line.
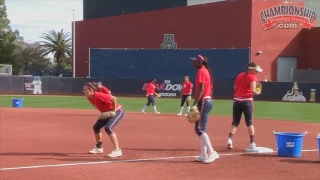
34 17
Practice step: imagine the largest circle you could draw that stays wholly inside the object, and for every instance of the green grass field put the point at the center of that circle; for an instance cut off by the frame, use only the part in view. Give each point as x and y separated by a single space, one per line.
305 112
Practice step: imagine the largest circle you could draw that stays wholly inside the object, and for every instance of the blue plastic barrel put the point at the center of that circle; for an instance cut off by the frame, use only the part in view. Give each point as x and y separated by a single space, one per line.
17 102
289 144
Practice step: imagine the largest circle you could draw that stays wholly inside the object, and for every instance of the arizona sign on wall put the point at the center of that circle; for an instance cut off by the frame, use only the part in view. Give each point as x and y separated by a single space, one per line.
288 17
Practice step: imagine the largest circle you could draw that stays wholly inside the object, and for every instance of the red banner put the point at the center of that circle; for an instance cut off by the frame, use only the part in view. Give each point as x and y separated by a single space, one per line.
274 21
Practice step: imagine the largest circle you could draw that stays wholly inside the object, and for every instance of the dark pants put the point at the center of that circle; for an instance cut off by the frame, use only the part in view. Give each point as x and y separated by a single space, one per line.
245 107
151 100
183 100
204 107
109 123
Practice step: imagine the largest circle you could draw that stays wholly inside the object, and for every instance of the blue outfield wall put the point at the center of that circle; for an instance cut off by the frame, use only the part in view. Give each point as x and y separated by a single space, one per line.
170 88
164 64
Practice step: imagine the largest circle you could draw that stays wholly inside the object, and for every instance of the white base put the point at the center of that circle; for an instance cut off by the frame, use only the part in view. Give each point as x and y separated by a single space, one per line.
260 150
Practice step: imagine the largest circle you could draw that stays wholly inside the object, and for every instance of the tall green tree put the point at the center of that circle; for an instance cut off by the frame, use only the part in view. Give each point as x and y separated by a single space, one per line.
30 58
7 38
58 44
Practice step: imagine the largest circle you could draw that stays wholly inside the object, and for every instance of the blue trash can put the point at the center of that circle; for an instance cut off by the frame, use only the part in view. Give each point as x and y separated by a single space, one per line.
289 144
17 102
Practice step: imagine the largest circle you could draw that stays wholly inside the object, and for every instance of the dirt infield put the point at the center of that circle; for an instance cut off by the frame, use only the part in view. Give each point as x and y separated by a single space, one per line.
50 144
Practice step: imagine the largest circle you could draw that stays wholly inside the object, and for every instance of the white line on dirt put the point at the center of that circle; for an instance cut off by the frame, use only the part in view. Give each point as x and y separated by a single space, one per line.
131 160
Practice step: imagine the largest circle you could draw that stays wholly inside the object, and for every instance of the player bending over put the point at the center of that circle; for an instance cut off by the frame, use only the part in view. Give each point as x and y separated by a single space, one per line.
185 95
244 89
151 94
111 114
203 104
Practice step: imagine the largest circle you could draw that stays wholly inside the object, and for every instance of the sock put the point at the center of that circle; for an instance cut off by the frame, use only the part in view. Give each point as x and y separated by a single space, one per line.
99 145
206 141
203 148
230 135
155 108
251 138
188 108
144 107
181 109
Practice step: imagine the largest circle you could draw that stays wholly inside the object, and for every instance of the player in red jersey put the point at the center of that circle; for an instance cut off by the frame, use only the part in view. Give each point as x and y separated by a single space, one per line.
102 88
104 103
203 103
151 93
185 94
244 90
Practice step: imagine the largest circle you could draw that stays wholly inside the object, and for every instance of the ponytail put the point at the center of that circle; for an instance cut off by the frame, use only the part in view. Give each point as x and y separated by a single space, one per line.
92 85
205 63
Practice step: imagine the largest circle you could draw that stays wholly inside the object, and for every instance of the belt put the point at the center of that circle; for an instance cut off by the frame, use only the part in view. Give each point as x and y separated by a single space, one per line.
206 97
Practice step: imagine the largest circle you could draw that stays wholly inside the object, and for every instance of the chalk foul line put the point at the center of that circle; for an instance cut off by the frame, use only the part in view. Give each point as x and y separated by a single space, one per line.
131 160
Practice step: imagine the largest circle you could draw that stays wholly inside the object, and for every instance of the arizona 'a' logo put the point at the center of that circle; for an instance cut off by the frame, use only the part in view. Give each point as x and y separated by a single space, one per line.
288 17
168 42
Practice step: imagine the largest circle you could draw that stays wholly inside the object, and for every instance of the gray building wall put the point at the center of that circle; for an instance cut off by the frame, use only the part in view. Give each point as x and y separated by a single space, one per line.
314 5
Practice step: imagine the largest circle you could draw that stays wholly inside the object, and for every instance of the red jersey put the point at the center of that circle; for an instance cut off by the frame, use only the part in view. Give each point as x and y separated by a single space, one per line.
186 88
203 77
102 102
104 90
242 90
151 89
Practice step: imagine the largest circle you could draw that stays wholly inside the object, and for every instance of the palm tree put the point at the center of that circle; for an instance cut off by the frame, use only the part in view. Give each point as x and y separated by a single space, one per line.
57 43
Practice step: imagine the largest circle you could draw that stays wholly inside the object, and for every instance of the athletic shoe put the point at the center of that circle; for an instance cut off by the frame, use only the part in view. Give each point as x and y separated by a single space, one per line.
96 151
213 156
229 142
142 111
252 147
115 153
157 112
200 158
186 114
179 114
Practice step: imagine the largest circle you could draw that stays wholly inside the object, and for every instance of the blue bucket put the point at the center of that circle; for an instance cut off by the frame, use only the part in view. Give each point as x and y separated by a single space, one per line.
319 143
289 144
17 102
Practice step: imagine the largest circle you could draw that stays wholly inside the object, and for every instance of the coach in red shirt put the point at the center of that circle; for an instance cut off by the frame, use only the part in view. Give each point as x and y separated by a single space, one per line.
244 90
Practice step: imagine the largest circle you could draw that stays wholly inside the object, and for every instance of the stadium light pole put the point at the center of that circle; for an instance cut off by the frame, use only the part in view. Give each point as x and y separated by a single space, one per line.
74 45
